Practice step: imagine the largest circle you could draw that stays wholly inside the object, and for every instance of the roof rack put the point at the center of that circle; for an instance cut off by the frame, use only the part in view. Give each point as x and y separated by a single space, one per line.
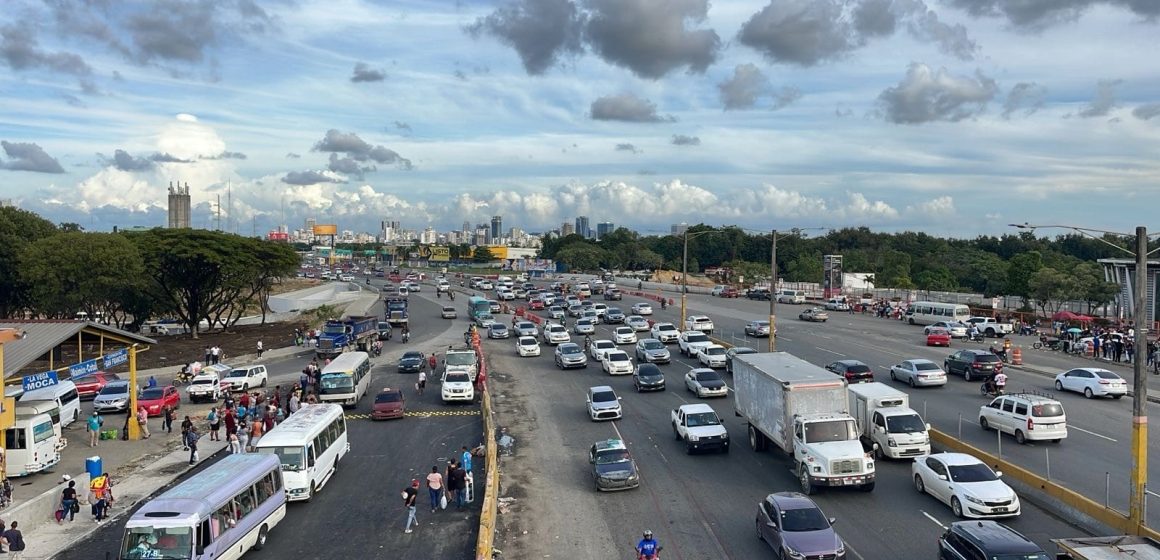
1034 392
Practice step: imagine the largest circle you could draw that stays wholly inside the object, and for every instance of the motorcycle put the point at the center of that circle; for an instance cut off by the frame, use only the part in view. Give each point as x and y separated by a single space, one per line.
1049 343
654 556
988 389
976 337
184 376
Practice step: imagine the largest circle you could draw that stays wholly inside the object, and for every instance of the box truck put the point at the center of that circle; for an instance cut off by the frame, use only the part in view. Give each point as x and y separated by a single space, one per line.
886 423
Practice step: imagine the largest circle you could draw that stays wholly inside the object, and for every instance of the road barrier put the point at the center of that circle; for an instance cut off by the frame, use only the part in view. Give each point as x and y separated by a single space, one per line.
487 516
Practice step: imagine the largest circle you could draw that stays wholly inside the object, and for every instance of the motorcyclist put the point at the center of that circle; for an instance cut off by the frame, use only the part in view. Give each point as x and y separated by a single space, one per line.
996 383
648 548
587 341
664 303
973 332
1001 352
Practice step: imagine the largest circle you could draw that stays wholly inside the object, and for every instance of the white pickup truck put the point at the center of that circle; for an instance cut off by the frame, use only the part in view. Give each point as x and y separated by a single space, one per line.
990 326
699 323
700 428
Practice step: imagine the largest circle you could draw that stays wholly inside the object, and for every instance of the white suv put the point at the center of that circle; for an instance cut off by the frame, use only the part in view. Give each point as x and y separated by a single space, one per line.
1027 416
245 378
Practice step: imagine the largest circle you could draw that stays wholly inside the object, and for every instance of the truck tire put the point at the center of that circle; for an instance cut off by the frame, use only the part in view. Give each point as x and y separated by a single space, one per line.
807 487
757 440
676 434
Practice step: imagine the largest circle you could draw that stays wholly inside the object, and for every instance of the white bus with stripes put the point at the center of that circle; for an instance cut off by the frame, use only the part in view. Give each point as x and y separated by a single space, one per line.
309 443
346 379
929 312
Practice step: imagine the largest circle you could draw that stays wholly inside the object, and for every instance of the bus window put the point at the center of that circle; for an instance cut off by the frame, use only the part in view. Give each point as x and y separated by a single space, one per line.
310 458
14 438
205 535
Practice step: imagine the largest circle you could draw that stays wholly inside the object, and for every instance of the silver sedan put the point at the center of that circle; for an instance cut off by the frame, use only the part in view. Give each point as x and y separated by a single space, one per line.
918 373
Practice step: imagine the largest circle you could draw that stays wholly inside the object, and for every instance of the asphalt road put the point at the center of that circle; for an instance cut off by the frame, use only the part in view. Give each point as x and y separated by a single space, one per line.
359 513
701 506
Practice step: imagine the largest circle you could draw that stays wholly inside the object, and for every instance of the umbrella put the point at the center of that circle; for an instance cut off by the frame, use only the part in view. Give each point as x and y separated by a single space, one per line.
1063 316
1075 330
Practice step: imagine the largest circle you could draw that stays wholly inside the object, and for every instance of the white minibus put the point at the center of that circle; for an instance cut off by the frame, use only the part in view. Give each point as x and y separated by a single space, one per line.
33 408
929 312
345 380
309 443
30 445
64 394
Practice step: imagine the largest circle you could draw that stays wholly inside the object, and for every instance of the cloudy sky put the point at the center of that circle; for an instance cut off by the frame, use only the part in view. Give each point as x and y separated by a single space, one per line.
954 117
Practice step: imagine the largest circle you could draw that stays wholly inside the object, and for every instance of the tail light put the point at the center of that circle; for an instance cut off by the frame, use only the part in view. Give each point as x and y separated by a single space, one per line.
1030 425
1105 382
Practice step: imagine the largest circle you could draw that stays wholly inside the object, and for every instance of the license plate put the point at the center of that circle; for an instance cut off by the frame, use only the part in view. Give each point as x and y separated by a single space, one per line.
1000 510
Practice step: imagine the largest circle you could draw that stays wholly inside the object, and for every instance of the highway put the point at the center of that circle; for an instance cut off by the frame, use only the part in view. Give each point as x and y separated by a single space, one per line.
701 506
359 513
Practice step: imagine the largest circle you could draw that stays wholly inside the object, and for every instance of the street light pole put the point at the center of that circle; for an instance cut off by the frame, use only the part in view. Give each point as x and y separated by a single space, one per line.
773 295
1139 484
684 279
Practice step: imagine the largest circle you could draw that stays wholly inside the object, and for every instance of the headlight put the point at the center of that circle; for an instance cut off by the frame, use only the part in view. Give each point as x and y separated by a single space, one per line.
795 555
890 442
633 477
841 549
973 499
692 437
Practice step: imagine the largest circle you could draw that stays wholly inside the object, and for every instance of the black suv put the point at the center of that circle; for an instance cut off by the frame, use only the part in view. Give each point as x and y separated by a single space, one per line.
758 294
973 364
967 540
853 370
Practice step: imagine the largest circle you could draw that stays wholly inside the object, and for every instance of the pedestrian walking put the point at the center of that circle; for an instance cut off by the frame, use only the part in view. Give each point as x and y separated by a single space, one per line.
466 459
235 445
168 415
191 438
215 354
215 424
243 437
14 540
435 487
69 504
101 496
422 383
431 362
231 422
143 422
257 428
93 425
410 494
259 349
294 403
457 486
208 355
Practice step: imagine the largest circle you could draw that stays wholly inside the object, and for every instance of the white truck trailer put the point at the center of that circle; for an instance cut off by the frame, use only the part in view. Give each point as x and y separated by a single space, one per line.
886 423
802 409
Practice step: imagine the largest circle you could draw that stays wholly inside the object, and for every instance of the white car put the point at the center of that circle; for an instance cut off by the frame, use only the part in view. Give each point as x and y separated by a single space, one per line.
414 287
665 332
642 309
556 312
616 363
966 484
602 403
585 326
705 382
527 346
1092 382
600 309
598 348
918 373
638 323
699 323
624 335
957 329
690 342
711 355
505 294
556 334
527 328
345 278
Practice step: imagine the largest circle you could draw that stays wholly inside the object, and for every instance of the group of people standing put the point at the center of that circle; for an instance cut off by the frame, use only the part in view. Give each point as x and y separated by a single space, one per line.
251 416
443 488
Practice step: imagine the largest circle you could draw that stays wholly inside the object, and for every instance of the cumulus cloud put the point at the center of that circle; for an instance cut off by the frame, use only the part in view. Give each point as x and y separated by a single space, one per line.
941 206
364 73
925 95
308 178
742 89
683 140
1147 112
27 156
651 37
1104 100
348 166
541 31
1025 97
20 50
1039 14
399 125
626 148
626 107
785 96
125 161
359 150
925 25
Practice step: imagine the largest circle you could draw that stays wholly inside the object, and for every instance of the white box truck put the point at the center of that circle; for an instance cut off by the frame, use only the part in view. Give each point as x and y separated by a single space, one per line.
802 409
886 422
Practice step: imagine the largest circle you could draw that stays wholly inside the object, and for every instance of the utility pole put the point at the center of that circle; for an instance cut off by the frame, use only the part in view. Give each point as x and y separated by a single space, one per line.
773 294
1139 485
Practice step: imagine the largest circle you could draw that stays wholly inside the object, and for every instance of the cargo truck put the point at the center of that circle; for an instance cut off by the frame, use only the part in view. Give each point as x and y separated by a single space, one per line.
339 334
1107 548
886 423
397 311
802 409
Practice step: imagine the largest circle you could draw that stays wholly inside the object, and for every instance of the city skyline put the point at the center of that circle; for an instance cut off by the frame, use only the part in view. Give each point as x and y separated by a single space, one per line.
953 117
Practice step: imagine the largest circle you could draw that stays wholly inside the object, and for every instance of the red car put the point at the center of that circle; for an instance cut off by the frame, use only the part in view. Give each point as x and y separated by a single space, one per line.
389 403
938 337
156 398
536 304
89 385
729 292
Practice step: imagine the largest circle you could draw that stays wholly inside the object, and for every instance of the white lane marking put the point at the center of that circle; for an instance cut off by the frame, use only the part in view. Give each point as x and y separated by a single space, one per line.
1074 427
782 338
617 430
828 350
854 552
932 518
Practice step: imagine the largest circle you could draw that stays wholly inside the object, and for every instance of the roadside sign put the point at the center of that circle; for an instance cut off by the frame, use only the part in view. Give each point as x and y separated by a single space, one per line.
39 381
116 358
87 367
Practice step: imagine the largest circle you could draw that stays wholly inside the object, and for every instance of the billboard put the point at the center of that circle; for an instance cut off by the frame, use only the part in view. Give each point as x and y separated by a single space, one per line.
831 275
440 254
278 236
326 229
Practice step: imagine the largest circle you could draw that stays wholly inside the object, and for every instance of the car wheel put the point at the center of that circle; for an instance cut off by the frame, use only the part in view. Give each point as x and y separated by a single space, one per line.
918 485
892 378
1020 438
912 383
263 382
1087 392
807 487
688 448
1117 397
1058 386
967 375
956 507
676 434
983 424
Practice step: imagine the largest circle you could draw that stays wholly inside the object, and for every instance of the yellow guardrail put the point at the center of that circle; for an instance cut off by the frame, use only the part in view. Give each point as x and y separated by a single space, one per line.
487 517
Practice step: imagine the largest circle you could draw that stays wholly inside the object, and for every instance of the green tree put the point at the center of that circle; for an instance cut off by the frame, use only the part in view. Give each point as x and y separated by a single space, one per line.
482 255
807 267
581 256
1020 269
90 272
1093 289
1050 288
938 279
18 228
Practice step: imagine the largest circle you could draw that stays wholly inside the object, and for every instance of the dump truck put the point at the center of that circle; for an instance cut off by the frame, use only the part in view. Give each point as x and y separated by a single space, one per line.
397 311
1108 548
886 423
802 409
340 334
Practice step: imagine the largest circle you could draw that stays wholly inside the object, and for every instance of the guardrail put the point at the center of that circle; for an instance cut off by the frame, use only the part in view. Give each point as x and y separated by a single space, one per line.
484 544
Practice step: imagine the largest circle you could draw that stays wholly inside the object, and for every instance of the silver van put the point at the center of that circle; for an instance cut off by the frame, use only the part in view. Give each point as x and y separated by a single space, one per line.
796 297
64 394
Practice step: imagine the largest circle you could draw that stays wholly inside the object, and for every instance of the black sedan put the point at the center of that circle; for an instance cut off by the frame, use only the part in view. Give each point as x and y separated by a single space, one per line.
853 370
412 362
648 377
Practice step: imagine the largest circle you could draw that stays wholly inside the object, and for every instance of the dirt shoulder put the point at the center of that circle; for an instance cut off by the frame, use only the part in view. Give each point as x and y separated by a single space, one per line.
177 350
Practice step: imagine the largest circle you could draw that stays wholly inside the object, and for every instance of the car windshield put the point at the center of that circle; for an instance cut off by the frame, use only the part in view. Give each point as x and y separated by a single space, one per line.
498 327
707 376
805 519
238 373
291 457
203 381
528 341
151 394
604 396
653 345
666 328
977 472
648 370
525 326
556 329
412 355
925 366
570 350
446 309
119 389
158 543
456 377
388 396
624 330
702 419
1047 410
460 358
907 424
831 430
715 351
384 326
336 383
617 357
612 456
697 337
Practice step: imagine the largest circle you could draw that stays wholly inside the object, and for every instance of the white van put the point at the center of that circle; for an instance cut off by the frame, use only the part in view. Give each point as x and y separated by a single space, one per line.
796 297
30 446
36 408
64 394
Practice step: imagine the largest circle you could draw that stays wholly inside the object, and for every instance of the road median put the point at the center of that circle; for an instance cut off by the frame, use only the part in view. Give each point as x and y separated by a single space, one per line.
490 505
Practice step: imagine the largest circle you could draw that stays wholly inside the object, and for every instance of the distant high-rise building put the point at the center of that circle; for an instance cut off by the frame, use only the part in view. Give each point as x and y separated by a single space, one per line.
179 207
566 229
496 228
582 227
603 229
678 229
466 230
310 226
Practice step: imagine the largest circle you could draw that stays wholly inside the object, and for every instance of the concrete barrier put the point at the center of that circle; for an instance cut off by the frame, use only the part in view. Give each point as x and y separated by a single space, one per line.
310 298
40 510
487 516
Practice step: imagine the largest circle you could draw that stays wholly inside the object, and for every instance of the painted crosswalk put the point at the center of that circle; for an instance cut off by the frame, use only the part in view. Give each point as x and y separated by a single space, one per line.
419 414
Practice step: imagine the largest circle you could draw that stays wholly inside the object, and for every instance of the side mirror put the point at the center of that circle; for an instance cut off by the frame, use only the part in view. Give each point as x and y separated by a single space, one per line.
928 426
942 477
771 525
833 520
998 474
874 447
